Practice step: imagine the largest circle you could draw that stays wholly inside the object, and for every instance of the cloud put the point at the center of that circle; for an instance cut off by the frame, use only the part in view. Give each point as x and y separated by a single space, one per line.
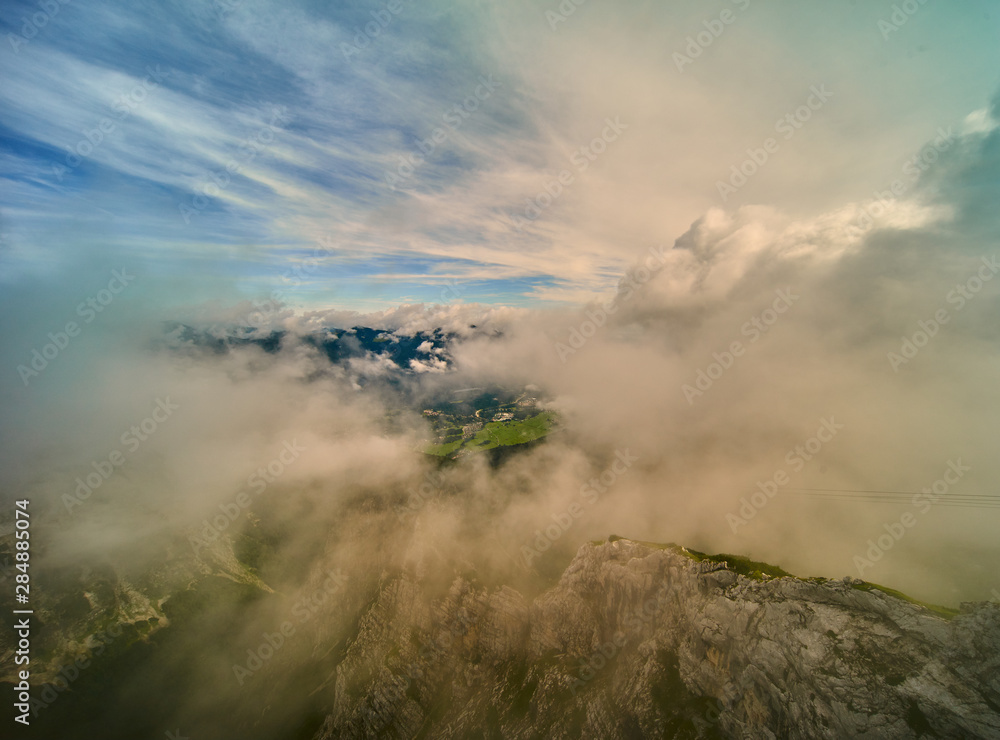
320 176
832 326
658 376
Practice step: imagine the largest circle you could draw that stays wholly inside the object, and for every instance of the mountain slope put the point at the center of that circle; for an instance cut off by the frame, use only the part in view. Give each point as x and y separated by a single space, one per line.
640 641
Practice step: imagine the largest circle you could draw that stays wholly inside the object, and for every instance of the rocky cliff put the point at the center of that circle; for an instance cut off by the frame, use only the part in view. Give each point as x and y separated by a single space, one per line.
647 641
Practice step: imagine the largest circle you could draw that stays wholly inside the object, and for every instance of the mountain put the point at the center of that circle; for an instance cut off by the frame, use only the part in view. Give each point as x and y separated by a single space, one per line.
367 608
634 640
656 641
420 351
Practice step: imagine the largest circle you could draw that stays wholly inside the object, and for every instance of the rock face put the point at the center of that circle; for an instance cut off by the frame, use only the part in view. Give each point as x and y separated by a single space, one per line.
637 641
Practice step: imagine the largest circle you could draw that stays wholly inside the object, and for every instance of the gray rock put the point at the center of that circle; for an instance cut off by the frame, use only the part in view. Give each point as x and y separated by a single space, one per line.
636 641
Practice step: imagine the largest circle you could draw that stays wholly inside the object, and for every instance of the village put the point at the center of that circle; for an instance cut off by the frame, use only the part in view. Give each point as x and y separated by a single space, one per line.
463 425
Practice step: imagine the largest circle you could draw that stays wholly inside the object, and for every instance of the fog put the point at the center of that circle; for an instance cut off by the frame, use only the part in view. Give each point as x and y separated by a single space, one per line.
758 352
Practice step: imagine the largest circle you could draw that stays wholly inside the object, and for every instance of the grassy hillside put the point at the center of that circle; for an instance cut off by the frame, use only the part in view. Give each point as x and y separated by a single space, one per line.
497 434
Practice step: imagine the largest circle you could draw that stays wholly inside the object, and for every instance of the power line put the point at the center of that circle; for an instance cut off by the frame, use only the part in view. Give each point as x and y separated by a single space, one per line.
972 500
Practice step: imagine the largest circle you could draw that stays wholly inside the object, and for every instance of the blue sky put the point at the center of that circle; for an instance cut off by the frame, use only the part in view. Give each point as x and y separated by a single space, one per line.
118 122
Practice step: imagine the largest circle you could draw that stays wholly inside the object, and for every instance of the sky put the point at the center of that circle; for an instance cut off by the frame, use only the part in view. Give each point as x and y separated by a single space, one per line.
712 233
392 152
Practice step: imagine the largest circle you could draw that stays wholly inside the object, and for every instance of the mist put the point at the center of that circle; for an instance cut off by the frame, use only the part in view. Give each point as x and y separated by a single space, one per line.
797 365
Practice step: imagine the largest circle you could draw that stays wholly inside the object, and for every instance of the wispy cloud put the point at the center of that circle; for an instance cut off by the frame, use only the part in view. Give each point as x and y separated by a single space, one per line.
222 71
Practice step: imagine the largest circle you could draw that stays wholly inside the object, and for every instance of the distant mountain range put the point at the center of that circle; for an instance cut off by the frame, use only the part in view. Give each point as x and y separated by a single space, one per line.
420 352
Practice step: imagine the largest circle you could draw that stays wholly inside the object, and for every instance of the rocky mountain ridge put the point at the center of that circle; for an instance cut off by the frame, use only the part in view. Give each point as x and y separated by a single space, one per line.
651 641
